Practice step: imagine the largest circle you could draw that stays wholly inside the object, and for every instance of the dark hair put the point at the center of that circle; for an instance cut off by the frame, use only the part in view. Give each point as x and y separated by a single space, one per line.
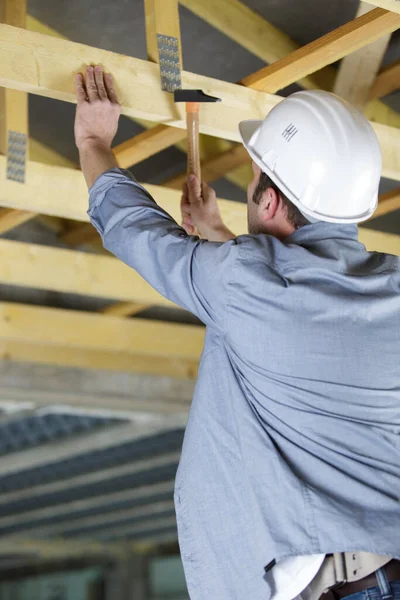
293 215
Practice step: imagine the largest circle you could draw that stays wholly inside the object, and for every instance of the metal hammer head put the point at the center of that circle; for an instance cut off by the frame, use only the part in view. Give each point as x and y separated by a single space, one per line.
193 96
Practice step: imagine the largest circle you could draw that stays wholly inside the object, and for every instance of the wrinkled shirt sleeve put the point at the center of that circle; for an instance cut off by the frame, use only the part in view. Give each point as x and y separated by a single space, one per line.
186 270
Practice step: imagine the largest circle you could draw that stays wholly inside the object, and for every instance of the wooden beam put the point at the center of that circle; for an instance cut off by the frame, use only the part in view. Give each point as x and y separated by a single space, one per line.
62 192
69 271
13 110
44 65
162 18
87 340
146 144
358 70
13 104
216 167
387 81
9 218
388 203
324 51
90 331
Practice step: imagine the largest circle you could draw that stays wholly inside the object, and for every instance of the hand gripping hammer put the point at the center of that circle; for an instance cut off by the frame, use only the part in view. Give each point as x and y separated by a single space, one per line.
193 99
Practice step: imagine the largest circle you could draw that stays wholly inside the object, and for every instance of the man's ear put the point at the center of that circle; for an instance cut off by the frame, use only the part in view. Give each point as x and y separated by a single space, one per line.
269 204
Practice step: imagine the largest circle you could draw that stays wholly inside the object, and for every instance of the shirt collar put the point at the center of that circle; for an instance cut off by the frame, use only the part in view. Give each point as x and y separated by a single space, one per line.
316 232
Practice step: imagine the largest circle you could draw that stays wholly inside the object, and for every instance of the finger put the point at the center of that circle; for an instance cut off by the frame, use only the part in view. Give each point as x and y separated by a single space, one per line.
207 191
80 88
110 88
194 188
99 79
185 204
91 87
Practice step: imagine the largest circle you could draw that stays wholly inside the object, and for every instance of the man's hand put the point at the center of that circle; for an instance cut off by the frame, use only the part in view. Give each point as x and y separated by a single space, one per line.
200 211
98 110
96 122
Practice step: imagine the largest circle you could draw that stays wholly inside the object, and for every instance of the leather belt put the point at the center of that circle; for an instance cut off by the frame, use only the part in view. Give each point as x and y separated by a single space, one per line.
392 572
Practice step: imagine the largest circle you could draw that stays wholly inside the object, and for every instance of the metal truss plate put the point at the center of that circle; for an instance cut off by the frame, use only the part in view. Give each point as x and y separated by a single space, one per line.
168 51
16 156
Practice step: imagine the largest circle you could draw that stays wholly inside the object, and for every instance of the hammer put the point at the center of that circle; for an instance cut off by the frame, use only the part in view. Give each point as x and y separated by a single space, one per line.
193 98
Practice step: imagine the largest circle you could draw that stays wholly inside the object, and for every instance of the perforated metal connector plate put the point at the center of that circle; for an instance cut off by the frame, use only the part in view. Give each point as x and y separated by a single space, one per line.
168 51
16 156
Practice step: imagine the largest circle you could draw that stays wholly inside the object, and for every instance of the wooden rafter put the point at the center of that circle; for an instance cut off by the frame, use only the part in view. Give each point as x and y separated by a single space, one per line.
13 109
136 82
70 271
10 218
161 17
358 70
62 192
69 200
88 340
331 47
387 81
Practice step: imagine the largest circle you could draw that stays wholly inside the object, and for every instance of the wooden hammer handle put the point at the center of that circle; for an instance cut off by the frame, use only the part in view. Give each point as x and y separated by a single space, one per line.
192 121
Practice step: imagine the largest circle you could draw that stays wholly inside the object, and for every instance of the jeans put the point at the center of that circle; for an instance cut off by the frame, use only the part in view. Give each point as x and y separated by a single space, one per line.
383 591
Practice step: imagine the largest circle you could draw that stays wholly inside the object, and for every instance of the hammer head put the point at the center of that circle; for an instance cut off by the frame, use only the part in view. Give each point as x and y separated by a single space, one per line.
193 96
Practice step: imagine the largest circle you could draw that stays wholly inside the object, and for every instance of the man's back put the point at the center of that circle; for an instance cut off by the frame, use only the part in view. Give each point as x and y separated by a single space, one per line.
294 428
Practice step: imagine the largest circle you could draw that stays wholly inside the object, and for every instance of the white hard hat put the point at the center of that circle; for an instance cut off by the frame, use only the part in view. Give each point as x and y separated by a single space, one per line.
321 153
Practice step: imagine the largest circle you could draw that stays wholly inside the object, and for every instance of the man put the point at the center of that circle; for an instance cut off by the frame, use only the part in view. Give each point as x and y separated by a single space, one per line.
291 454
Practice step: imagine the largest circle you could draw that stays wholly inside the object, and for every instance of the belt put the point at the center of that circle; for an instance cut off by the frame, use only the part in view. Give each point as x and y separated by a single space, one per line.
392 572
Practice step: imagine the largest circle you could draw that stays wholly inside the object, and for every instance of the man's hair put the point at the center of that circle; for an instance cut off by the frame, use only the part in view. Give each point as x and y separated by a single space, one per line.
293 215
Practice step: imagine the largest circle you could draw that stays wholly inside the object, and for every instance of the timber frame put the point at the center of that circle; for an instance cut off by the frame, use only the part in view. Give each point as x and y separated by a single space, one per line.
54 189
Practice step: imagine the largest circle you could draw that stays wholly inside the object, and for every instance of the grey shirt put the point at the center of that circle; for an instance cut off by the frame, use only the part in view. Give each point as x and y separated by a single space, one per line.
292 446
